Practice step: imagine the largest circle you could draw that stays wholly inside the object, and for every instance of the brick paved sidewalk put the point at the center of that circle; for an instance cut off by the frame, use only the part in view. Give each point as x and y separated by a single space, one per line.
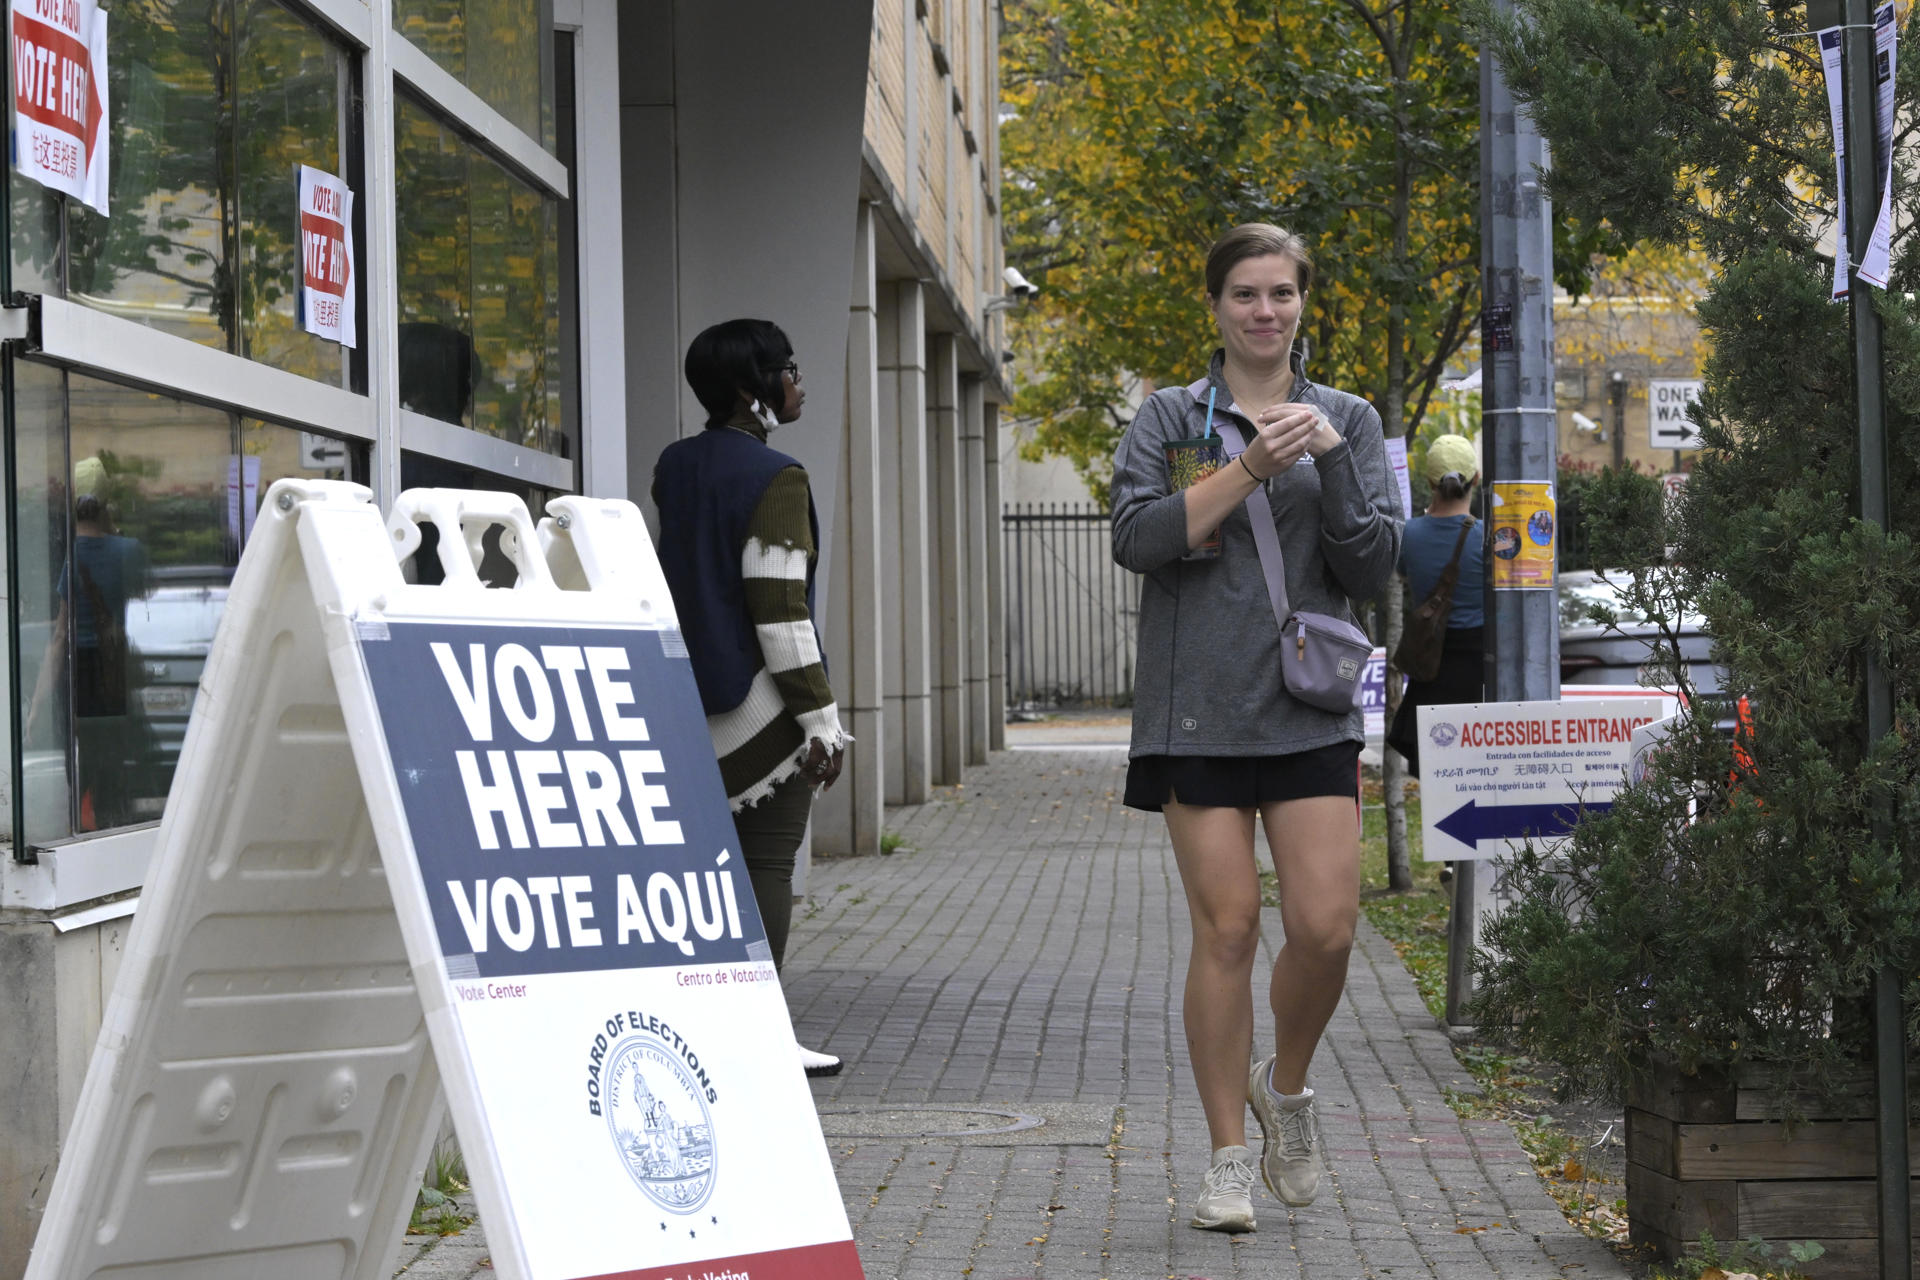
1022 958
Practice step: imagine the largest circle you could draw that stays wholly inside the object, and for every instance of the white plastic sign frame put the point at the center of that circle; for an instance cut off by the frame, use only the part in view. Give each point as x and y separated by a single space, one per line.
315 958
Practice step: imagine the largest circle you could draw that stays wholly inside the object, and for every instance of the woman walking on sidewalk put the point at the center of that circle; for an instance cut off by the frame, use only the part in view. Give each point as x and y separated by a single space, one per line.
1217 736
738 544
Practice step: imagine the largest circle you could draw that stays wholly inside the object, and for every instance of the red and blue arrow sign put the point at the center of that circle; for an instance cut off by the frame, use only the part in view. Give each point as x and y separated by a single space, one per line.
1473 822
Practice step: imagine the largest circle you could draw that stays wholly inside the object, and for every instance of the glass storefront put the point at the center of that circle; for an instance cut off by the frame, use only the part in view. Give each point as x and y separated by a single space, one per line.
132 510
131 499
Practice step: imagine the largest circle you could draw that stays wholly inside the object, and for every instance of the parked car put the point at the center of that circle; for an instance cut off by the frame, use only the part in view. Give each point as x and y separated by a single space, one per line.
170 631
1592 653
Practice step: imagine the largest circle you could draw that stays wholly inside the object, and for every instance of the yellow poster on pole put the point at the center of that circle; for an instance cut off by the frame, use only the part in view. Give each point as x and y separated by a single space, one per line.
1523 535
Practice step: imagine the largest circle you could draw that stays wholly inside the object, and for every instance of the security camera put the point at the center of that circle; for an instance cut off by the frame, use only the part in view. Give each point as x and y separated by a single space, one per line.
1584 423
1018 285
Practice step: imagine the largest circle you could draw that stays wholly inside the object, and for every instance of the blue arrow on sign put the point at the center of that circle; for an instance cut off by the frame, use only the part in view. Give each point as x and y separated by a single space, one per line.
1473 822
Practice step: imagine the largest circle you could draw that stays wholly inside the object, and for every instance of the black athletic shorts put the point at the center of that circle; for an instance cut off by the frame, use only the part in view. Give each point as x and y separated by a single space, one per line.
1243 782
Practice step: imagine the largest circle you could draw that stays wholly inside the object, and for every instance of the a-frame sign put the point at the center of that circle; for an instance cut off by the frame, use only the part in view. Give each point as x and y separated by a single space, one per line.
454 839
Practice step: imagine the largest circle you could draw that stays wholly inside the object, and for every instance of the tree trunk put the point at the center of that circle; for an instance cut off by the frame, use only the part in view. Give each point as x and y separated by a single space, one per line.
1393 417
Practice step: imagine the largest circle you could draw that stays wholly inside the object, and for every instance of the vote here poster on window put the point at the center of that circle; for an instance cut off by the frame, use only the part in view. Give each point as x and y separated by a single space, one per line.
326 257
60 95
606 967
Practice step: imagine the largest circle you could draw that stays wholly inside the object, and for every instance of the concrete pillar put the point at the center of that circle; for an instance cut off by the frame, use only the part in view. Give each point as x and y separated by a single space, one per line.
947 528
982 524
902 402
996 580
850 817
53 991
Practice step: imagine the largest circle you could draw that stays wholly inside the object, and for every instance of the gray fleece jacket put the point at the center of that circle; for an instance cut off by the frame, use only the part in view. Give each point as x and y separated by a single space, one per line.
1207 673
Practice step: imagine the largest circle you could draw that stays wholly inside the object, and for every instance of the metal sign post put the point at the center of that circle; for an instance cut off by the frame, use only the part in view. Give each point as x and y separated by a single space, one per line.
1517 447
429 837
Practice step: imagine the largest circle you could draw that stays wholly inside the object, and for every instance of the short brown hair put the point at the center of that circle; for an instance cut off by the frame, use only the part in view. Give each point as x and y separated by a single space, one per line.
1255 240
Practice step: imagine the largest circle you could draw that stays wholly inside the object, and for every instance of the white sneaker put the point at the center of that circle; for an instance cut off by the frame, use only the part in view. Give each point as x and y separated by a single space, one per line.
818 1064
1290 1154
1226 1194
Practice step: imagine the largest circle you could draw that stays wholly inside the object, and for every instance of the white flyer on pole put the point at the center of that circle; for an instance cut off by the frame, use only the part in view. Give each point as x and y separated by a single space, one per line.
1876 264
60 96
1397 458
326 257
1830 64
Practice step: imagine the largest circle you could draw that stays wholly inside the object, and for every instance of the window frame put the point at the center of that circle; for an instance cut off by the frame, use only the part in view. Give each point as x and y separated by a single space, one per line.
70 335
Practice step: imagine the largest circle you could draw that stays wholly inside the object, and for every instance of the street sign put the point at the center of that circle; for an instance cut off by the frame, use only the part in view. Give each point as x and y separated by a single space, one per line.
446 836
1496 775
1667 420
322 453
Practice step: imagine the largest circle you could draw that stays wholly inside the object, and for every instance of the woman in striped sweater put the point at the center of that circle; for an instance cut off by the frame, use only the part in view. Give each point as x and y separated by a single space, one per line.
739 543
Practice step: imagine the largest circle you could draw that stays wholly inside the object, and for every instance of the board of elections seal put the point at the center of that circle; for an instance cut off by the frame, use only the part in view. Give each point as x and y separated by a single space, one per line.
660 1123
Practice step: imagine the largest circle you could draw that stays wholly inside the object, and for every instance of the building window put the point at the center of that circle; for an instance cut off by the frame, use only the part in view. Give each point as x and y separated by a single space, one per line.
213 105
500 49
479 286
132 511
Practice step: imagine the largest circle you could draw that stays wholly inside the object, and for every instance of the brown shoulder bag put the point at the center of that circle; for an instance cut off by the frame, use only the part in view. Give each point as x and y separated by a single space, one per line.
1425 635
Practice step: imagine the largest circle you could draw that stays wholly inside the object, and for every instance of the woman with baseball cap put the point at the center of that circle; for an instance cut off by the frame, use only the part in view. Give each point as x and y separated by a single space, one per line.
1429 545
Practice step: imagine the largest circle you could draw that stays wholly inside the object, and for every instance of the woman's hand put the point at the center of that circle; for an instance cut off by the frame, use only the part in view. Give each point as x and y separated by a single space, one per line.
1283 433
822 765
1325 435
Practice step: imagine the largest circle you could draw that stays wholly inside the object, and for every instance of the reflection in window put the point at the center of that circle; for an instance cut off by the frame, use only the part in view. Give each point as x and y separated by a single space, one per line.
129 539
500 49
479 277
212 105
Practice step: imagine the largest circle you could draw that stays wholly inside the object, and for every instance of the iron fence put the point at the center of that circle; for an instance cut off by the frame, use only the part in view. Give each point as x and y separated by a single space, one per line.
1070 609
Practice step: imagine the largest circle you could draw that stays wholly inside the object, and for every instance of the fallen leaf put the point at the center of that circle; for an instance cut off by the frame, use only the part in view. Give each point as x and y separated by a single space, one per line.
1474 1231
1573 1171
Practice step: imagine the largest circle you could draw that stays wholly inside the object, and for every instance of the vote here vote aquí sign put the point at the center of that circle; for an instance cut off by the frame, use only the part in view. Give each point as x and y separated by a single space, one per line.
326 257
1495 775
607 968
60 96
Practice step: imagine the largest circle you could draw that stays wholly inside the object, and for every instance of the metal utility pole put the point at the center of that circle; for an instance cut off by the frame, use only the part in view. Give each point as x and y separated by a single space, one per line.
1517 441
1617 422
1859 100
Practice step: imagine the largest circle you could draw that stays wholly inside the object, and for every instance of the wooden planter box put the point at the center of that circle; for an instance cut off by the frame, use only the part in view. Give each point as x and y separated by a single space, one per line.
1704 1154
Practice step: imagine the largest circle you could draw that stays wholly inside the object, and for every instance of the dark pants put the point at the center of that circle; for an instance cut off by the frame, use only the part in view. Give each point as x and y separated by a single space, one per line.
1462 662
770 835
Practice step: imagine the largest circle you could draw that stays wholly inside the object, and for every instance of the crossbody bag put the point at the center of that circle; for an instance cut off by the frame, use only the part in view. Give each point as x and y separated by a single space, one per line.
1322 658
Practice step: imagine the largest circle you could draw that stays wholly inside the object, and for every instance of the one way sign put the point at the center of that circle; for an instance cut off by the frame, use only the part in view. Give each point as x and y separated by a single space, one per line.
1667 420
1495 775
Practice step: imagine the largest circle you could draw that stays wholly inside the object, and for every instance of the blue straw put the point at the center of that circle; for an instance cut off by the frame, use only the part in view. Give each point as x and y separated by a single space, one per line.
1211 393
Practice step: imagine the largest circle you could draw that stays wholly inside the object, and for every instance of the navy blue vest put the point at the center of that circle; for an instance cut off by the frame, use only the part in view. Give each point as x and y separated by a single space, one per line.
707 488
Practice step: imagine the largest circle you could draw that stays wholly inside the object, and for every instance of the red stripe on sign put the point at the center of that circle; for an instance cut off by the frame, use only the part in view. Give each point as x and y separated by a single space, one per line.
335 234
321 225
836 1261
43 80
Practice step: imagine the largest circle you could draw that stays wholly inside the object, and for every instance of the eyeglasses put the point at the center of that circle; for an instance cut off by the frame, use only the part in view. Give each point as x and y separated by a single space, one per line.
790 368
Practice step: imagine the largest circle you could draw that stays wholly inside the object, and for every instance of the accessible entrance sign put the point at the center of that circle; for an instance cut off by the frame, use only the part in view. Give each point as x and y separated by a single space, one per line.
447 836
1497 774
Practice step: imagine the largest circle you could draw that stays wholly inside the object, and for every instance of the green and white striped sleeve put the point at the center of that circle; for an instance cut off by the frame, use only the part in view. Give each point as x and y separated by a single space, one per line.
774 568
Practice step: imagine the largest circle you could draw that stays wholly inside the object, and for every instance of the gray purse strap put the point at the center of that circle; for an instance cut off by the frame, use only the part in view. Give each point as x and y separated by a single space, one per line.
1265 539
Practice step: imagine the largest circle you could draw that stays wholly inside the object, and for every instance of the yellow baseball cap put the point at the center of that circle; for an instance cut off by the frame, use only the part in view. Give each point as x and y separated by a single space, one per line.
1452 455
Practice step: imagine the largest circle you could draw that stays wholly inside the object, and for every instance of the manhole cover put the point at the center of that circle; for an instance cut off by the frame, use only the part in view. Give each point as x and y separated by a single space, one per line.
923 1122
1041 1124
